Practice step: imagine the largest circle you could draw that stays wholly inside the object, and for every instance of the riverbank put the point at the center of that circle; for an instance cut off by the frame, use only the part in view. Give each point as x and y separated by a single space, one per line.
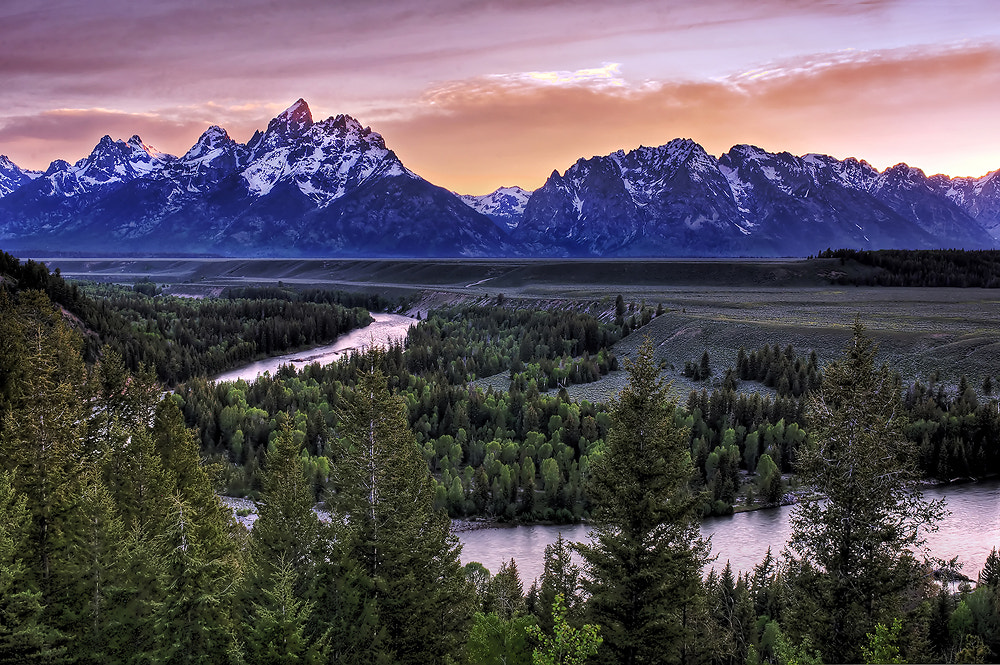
385 329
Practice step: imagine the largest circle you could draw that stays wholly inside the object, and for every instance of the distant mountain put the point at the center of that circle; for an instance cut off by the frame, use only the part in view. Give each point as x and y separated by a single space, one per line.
505 206
978 197
299 188
678 200
333 188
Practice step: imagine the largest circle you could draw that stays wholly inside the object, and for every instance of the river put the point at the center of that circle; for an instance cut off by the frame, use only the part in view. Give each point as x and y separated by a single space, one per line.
384 329
972 529
969 532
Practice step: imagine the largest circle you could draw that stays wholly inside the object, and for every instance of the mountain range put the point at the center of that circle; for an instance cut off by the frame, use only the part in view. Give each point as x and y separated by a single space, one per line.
333 189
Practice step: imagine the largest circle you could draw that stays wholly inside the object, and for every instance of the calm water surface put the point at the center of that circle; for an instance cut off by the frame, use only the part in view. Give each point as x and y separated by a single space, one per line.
970 532
385 329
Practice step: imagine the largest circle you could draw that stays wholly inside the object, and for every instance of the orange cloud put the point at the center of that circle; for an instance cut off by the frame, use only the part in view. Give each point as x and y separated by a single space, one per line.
933 111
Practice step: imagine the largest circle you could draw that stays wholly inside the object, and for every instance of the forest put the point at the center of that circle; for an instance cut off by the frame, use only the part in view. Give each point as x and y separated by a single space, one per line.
922 268
114 545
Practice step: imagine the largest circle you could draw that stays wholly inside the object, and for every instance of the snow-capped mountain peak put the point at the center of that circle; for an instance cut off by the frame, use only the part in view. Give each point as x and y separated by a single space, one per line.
505 206
214 139
294 120
12 176
323 160
333 187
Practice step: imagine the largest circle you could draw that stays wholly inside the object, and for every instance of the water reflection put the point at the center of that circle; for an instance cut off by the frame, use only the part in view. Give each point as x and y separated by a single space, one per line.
969 532
386 328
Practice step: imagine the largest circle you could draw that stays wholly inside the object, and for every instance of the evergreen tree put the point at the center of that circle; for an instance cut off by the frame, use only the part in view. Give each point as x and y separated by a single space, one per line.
283 546
44 425
212 522
287 528
193 620
91 572
24 636
382 508
990 574
852 551
643 568
560 576
276 632
505 592
198 563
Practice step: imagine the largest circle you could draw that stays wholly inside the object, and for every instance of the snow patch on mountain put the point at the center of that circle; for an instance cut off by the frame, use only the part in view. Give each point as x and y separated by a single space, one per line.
505 206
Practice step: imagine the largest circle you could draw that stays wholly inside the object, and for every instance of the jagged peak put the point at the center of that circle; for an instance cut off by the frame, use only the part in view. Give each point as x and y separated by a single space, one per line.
511 190
747 151
904 170
296 117
211 138
57 166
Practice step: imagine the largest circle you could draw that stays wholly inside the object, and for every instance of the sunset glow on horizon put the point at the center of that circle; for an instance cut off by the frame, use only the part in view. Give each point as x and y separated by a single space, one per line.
475 96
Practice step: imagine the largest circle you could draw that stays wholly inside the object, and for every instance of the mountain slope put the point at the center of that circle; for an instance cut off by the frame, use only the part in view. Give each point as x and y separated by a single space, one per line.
298 188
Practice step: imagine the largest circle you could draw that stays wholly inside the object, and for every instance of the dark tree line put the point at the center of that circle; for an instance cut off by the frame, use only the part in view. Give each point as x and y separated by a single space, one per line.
184 337
921 268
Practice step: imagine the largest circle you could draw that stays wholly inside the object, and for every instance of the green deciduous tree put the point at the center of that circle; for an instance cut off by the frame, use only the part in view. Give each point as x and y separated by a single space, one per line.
643 568
566 645
853 549
494 640
883 644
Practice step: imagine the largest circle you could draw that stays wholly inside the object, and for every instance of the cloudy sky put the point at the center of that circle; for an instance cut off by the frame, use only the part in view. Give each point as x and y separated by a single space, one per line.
473 94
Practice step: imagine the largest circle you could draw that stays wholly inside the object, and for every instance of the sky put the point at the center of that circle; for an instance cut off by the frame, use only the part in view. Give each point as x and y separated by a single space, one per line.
473 95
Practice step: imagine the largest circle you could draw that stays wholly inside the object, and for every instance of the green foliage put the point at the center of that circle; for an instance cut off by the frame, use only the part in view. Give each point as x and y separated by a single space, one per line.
505 593
780 369
776 648
990 574
560 577
567 645
383 519
883 644
287 528
643 567
278 623
494 640
24 637
769 480
541 348
857 540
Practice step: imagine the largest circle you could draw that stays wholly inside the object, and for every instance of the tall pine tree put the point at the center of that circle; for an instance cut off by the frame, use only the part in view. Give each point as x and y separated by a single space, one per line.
643 567
382 509
851 555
